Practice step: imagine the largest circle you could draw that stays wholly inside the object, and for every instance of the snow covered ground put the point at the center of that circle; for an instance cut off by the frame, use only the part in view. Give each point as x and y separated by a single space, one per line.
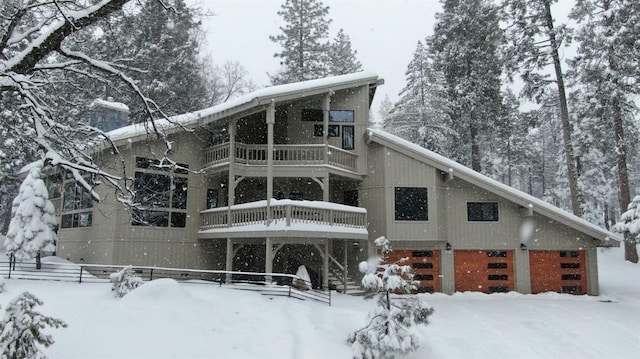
164 319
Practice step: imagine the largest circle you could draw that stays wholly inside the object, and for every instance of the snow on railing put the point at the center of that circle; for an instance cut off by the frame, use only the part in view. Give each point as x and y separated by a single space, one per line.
249 154
285 212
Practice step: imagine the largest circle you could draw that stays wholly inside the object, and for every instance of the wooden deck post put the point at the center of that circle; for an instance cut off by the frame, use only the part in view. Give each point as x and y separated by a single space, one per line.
229 262
271 120
268 259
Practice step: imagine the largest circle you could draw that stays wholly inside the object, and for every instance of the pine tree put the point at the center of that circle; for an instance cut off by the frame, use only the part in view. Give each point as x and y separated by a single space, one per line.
21 330
512 152
535 40
629 223
342 58
304 41
420 114
33 221
465 46
124 281
608 66
172 40
389 330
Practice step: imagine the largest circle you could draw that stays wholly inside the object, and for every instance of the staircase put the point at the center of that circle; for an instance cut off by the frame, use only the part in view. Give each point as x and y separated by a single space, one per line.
336 279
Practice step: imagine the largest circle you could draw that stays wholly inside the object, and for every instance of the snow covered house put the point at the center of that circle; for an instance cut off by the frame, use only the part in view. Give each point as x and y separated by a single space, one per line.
293 174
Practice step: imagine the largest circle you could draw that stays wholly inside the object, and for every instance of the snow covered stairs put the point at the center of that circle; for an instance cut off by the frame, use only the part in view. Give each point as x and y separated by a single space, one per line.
352 287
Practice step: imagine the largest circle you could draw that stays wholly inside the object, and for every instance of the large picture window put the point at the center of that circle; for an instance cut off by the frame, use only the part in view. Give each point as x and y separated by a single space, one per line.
77 206
482 211
411 204
160 193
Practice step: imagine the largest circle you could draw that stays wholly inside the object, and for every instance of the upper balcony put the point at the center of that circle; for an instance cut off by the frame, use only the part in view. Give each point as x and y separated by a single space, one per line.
284 218
283 155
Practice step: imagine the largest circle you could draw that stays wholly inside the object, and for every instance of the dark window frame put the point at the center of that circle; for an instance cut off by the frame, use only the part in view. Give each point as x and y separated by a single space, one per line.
166 205
483 212
407 208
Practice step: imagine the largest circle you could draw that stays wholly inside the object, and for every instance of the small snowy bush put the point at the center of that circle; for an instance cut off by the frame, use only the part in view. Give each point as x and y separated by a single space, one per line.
389 330
2 283
629 223
124 281
21 330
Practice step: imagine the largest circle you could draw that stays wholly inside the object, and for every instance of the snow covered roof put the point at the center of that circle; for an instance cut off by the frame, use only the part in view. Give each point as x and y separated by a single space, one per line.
251 100
458 170
118 106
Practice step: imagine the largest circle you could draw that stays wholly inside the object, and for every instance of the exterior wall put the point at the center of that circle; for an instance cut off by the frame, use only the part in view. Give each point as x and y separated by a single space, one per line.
112 239
372 194
448 222
402 171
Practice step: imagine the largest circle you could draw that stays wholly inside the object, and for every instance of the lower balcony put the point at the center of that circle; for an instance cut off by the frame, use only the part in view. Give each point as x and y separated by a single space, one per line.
299 155
284 218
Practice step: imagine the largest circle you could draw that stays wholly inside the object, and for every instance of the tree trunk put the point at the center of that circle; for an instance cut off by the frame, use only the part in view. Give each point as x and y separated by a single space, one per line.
564 114
475 147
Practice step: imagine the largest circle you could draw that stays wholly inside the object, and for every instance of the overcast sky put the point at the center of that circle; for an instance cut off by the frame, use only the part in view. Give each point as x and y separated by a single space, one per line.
383 32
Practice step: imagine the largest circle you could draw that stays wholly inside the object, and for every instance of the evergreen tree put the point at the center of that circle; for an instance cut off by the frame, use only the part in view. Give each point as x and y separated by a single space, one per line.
124 281
304 41
21 330
420 114
465 46
608 66
629 223
512 149
342 58
33 221
389 330
535 41
175 78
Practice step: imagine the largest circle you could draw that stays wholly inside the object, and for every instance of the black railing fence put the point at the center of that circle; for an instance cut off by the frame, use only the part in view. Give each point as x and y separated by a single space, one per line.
271 284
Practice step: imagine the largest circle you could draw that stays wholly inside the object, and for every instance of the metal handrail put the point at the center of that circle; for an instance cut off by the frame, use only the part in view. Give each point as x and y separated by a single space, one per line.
285 284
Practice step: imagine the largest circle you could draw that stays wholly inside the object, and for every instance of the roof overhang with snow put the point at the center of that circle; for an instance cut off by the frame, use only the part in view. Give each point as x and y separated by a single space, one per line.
446 165
246 104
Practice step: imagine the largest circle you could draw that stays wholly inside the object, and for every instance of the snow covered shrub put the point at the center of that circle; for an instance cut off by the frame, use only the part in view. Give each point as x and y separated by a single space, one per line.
389 330
629 223
20 331
124 281
1 284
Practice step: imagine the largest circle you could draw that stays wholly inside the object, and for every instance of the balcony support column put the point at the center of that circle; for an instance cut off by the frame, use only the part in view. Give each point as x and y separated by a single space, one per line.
229 263
231 183
326 107
268 259
271 120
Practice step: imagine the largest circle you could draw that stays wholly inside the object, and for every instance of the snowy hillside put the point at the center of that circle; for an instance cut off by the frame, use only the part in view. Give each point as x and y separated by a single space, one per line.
164 319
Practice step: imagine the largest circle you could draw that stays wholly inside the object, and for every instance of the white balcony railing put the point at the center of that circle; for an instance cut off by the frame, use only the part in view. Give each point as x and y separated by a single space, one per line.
284 212
282 155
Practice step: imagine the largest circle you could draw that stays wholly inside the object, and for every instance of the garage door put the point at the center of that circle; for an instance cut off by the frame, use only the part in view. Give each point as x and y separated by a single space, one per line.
558 271
425 265
483 271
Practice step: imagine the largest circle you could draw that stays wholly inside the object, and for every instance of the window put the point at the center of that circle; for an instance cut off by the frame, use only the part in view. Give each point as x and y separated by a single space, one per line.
54 186
482 211
312 115
212 198
411 204
348 138
161 193
334 130
426 265
76 205
341 116
422 254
